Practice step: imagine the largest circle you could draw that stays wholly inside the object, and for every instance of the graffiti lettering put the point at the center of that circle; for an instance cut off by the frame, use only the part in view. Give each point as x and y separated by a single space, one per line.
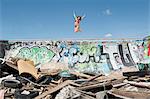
36 54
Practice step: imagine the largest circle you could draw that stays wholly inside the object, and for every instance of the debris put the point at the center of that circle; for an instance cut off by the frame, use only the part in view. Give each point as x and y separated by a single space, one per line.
11 83
19 94
48 97
2 92
116 95
92 78
68 92
139 84
65 74
119 85
84 86
8 68
25 92
101 95
131 88
65 83
129 94
136 73
45 80
33 82
98 87
81 75
87 93
84 96
12 65
27 67
7 77
95 77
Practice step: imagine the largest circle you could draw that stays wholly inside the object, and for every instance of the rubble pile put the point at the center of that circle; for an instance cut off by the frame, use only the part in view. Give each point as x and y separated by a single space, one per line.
20 79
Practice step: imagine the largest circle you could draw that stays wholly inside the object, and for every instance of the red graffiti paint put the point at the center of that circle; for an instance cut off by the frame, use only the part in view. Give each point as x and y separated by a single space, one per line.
149 50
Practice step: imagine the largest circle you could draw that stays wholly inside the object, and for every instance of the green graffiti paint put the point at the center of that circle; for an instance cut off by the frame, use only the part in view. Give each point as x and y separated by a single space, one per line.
36 54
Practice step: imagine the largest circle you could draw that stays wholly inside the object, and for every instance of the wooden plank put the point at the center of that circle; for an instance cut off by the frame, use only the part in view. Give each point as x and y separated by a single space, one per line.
81 75
118 96
136 73
92 78
131 94
119 85
12 65
139 84
100 85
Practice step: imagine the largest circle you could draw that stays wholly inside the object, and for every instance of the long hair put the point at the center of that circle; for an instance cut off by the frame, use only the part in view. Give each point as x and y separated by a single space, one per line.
79 17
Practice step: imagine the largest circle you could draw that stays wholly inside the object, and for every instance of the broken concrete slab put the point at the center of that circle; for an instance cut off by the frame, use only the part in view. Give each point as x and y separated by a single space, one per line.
68 92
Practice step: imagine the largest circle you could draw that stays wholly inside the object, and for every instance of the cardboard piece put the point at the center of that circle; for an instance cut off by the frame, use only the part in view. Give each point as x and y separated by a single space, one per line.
27 67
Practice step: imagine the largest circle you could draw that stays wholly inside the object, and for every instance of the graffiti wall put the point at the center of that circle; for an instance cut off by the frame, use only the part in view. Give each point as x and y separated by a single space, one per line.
83 56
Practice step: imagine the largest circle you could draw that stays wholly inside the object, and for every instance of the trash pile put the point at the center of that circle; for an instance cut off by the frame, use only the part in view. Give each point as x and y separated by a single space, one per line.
20 79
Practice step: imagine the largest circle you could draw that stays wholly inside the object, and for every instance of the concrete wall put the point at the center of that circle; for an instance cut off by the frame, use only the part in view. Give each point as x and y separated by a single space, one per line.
84 56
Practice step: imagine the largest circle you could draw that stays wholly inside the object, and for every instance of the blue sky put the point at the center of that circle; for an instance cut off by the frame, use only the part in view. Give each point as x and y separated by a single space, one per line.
53 19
